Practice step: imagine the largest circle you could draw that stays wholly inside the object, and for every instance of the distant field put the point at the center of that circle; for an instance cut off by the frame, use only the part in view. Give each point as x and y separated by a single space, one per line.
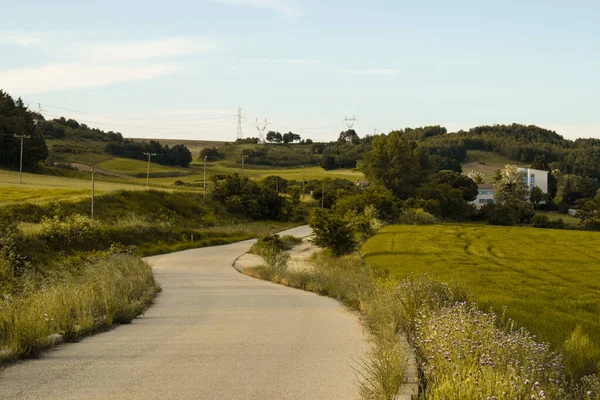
193 145
486 162
290 174
46 188
548 279
130 166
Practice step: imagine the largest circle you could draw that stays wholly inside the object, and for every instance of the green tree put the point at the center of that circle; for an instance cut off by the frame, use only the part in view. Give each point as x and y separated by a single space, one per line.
540 163
396 164
290 137
458 181
536 197
510 183
332 232
349 136
274 137
15 119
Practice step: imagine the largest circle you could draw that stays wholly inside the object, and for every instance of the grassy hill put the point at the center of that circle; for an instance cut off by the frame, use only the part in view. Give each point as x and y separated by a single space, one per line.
487 163
195 146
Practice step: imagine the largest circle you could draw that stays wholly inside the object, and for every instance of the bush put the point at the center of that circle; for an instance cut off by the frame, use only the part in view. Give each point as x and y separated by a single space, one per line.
541 221
502 215
332 232
417 216
72 231
592 224
562 208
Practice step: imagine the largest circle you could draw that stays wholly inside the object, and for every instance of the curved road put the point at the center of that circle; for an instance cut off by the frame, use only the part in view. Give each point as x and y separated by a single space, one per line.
213 333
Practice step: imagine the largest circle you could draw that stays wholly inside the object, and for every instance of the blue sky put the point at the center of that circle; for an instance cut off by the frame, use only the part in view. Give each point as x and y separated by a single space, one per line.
180 69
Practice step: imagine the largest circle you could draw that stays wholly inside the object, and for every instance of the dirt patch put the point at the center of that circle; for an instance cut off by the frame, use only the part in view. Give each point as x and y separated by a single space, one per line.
87 168
300 256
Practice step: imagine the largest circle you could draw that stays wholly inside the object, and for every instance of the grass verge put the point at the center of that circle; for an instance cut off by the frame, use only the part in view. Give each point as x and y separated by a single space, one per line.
463 353
78 299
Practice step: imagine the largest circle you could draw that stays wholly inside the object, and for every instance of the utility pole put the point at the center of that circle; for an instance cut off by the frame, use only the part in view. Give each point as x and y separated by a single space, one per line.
242 166
262 127
150 155
22 137
93 189
240 116
303 180
205 158
349 121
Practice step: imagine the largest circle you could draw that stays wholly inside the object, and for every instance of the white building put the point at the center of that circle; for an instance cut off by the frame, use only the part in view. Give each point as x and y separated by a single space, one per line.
536 178
533 178
485 195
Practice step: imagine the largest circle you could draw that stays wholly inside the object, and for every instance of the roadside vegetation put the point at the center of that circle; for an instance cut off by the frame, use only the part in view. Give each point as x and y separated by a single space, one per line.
71 296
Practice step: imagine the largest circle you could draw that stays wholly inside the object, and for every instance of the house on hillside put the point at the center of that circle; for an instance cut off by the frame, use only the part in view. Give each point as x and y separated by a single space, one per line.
485 195
536 178
533 178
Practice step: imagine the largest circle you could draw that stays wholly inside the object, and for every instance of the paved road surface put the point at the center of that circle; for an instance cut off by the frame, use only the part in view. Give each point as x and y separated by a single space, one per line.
212 334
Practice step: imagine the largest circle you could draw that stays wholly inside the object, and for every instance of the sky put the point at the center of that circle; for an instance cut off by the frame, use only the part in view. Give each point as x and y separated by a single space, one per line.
180 69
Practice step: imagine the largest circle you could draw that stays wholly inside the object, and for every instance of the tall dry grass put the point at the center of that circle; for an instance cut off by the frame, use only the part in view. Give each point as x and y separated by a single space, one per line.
111 288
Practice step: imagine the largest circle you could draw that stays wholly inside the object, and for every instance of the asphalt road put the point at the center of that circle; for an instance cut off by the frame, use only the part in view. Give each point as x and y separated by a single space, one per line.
213 333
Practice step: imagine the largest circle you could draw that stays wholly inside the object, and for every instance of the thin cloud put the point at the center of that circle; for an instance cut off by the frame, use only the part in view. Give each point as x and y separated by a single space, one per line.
373 71
275 5
23 40
56 77
288 61
166 47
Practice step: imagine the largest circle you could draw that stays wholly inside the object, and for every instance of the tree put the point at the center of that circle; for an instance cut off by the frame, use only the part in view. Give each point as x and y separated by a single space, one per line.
328 162
540 163
211 154
349 136
536 197
445 201
332 232
15 119
290 137
457 181
274 137
396 164
510 183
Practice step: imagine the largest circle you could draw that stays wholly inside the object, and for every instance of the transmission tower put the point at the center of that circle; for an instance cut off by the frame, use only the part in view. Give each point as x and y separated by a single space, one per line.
262 127
240 116
350 121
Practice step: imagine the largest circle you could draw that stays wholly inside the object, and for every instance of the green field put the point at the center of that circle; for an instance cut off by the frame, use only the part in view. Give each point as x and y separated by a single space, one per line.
548 279
195 146
486 162
130 166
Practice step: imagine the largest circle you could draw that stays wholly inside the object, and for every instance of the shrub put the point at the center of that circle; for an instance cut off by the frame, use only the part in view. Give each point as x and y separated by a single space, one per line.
70 231
541 221
332 232
562 208
417 216
502 215
592 224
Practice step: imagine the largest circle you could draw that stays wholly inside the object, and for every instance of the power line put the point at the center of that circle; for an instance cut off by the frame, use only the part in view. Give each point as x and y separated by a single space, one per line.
135 119
240 133
350 121
261 127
